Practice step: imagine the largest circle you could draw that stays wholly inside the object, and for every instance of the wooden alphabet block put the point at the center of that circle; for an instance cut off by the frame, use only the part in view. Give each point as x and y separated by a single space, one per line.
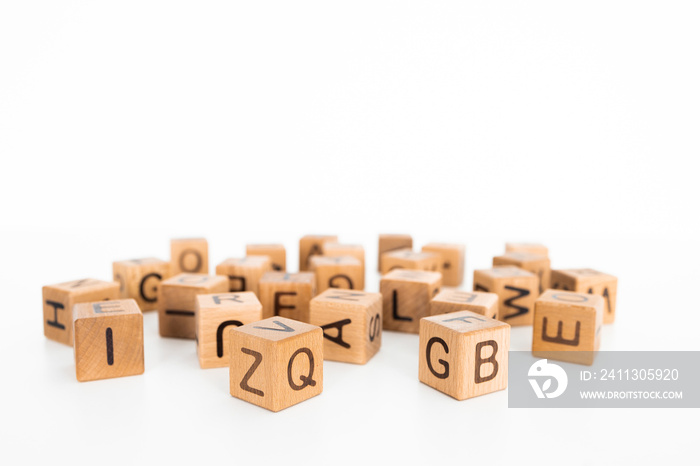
532 248
177 302
355 250
245 274
312 245
58 301
351 324
287 294
276 363
464 354
567 326
535 263
343 272
139 280
407 259
516 288
451 300
592 282
108 339
406 296
389 243
276 252
451 262
215 316
189 255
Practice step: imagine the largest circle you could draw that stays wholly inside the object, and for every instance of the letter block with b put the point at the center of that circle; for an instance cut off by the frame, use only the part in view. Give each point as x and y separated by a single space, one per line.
287 294
464 354
276 363
517 290
139 280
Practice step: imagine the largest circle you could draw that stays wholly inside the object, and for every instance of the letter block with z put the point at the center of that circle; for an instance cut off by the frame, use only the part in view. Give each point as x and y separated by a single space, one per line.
189 255
287 294
139 280
464 354
516 288
245 274
406 296
276 362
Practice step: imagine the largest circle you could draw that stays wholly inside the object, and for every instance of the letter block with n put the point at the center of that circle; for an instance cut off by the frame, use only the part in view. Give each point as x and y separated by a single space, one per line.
463 354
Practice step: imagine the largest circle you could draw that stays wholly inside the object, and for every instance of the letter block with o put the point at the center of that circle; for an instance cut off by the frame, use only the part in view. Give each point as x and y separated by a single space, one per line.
276 363
464 354
139 280
517 290
189 255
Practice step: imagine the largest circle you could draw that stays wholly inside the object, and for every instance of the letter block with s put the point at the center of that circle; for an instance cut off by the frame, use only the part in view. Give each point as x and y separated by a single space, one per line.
464 354
139 279
276 363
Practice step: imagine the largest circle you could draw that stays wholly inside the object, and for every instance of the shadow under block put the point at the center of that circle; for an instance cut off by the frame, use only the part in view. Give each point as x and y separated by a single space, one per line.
407 259
108 339
58 301
312 245
189 255
216 314
517 290
451 261
532 248
177 302
287 294
343 272
351 324
245 274
464 354
276 363
567 326
535 263
389 243
450 300
354 250
406 296
276 253
592 282
139 280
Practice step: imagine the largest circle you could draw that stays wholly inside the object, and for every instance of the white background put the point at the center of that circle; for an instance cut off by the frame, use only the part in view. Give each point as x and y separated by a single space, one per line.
124 124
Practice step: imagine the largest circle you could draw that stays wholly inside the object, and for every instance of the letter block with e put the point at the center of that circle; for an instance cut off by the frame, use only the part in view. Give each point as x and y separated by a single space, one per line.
406 296
189 255
343 272
517 290
592 282
276 363
287 294
244 274
464 354
139 280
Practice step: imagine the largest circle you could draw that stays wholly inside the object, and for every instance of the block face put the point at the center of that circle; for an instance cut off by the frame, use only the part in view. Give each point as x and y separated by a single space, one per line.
276 253
58 301
464 354
244 274
276 363
407 259
351 324
189 255
592 282
108 339
567 326
533 248
177 302
344 272
392 243
287 294
517 290
535 263
449 300
452 261
312 245
406 296
139 280
353 250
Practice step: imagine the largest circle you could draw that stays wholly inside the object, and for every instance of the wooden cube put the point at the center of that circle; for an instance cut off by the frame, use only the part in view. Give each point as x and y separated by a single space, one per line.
351 322
355 250
406 296
451 300
58 301
312 245
276 363
343 272
139 280
464 354
451 262
108 339
532 248
407 259
245 274
287 294
392 243
535 263
567 326
216 314
177 302
189 255
517 290
276 253
592 282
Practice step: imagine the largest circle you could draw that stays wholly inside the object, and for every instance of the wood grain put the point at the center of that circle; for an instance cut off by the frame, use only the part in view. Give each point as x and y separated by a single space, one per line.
406 296
139 279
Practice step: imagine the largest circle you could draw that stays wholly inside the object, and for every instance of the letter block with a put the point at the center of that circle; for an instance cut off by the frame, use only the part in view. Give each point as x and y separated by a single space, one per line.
567 326
276 253
451 262
245 274
406 296
407 259
276 363
189 255
139 280
312 245
535 263
287 294
516 288
343 272
450 300
392 243
108 339
592 282
463 354
532 248
216 315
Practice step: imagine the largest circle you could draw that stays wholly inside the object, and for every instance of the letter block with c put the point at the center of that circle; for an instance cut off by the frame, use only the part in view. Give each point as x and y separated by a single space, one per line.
139 280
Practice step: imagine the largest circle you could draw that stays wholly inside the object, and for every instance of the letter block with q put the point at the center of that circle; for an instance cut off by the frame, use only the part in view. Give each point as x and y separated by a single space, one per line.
464 354
276 363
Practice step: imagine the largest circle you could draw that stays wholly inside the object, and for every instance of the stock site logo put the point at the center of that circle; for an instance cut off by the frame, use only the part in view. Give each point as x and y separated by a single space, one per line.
546 372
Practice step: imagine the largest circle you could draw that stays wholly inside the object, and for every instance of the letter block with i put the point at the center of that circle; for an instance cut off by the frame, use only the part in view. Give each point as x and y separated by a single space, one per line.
406 296
516 288
463 354
244 274
287 294
276 363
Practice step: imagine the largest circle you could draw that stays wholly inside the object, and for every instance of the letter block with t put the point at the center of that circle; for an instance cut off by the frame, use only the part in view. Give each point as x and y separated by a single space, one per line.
464 354
287 294
451 262
351 322
189 255
407 259
516 288
406 296
108 339
392 243
276 362
276 253
535 263
216 315
245 274
139 280
177 302
567 326
312 245
343 272
451 300
58 302
592 282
